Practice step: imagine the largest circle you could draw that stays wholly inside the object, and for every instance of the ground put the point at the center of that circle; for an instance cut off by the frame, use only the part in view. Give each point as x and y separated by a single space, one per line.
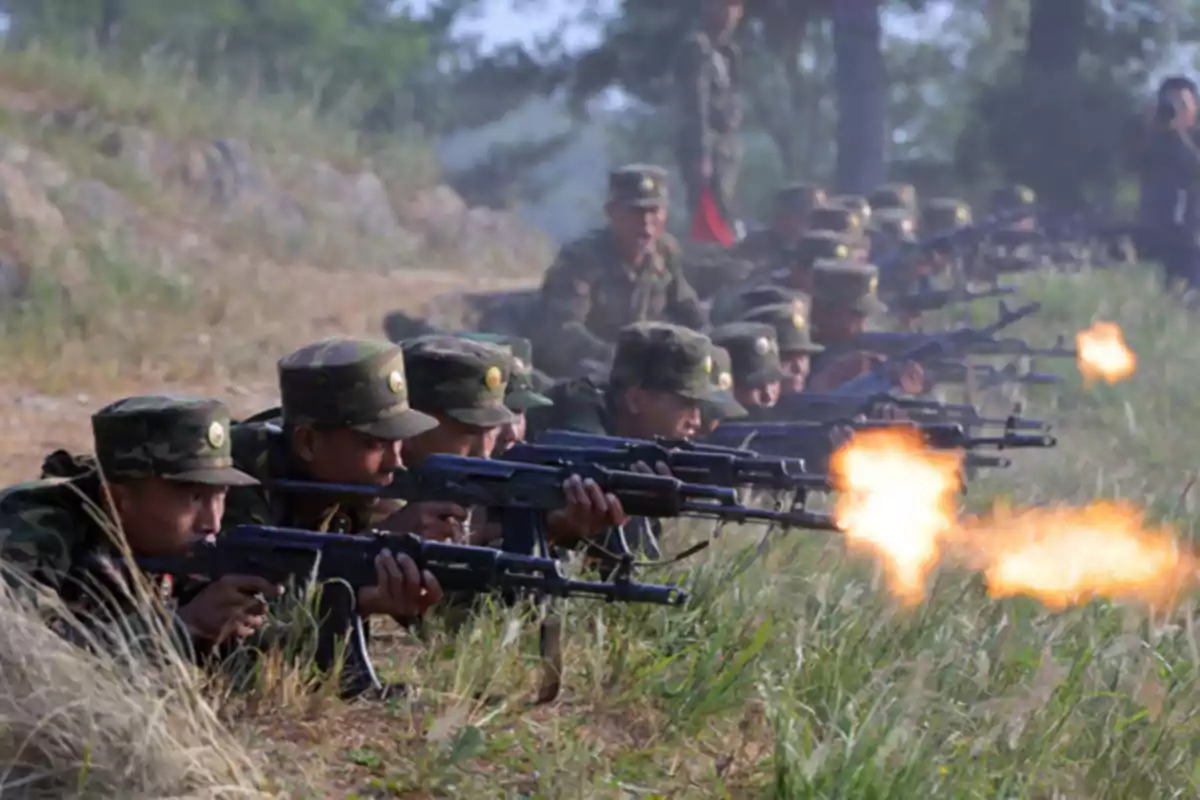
790 673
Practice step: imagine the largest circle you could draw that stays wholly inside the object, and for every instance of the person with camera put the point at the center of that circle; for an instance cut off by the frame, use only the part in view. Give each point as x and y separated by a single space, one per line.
1169 203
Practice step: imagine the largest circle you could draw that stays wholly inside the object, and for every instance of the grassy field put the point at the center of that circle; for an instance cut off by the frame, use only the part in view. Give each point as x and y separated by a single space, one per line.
791 673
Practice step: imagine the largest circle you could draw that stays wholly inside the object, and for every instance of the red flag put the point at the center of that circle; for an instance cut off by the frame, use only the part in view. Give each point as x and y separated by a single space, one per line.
708 225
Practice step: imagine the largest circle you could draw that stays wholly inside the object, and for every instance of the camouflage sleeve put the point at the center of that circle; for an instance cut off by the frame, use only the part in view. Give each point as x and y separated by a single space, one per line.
684 307
566 299
692 86
38 543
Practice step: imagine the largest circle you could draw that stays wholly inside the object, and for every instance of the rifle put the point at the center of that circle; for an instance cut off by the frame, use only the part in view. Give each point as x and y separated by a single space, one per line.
692 462
943 344
538 488
1019 347
832 407
936 299
986 376
279 554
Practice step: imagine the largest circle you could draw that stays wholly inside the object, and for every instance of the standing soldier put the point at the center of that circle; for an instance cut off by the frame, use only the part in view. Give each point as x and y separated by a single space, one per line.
629 271
707 77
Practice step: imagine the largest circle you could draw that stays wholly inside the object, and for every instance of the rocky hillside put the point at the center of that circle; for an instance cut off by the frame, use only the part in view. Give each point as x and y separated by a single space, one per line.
155 234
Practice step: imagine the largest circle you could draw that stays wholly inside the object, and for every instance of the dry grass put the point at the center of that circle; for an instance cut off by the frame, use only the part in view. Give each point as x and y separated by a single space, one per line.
790 675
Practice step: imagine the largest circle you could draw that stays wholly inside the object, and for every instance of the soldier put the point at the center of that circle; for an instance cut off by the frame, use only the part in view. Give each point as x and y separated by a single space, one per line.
796 347
892 235
793 269
856 203
660 382
1015 199
895 196
723 405
939 216
732 306
844 297
789 222
628 272
757 373
844 222
522 393
707 76
163 466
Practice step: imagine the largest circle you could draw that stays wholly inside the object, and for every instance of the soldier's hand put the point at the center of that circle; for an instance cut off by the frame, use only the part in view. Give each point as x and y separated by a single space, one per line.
588 514
441 522
234 605
400 590
910 377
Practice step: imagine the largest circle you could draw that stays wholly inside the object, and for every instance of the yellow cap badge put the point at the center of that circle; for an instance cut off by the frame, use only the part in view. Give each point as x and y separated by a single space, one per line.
724 380
762 345
395 382
961 214
216 435
708 365
841 251
647 185
1026 195
854 220
874 285
493 378
798 320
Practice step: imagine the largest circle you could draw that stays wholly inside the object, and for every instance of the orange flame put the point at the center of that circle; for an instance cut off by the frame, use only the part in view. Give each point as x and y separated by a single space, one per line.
1102 353
1068 556
897 501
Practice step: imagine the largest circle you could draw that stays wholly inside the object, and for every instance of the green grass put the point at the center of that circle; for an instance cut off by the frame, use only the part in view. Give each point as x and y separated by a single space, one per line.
795 676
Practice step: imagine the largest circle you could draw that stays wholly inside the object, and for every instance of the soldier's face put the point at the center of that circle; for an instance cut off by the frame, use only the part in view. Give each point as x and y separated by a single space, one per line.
758 396
163 518
636 228
508 435
452 438
344 455
652 413
799 365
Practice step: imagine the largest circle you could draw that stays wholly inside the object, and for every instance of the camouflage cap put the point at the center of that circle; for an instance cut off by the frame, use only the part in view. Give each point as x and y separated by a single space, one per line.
791 327
894 195
815 245
847 285
343 382
895 223
722 401
663 357
732 306
643 185
800 198
177 438
854 202
522 393
1008 198
465 380
943 214
837 219
754 351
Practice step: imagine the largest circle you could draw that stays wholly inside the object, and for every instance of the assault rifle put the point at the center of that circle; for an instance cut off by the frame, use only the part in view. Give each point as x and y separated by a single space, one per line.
813 407
280 554
986 376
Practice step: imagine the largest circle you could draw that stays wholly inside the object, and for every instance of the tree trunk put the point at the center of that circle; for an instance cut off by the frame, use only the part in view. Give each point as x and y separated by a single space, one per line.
1056 36
860 83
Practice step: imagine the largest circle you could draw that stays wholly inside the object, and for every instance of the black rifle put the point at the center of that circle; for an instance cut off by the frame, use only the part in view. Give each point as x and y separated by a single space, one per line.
280 554
814 407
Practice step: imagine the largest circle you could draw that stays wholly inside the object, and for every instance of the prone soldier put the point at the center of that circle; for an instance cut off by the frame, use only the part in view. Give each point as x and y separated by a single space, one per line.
757 373
792 334
522 392
722 405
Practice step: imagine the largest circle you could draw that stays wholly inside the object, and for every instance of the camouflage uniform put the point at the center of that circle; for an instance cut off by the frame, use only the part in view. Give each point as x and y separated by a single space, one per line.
707 75
766 245
754 351
723 406
58 530
335 383
589 294
653 356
